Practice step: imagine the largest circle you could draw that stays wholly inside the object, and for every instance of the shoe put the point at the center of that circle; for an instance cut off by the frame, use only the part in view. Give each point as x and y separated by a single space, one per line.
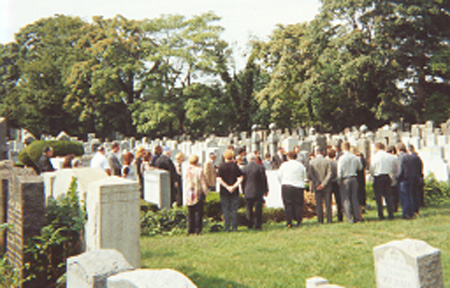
289 225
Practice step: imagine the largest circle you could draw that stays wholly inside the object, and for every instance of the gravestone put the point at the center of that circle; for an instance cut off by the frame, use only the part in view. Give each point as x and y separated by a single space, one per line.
63 179
62 136
26 215
3 140
157 187
5 167
145 278
315 282
408 263
274 199
433 162
112 206
92 269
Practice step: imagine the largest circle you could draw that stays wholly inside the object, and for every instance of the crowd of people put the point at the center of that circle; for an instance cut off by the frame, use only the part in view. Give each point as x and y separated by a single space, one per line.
334 171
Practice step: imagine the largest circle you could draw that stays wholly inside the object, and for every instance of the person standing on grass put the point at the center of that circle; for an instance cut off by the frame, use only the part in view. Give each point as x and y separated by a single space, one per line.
382 166
165 163
348 166
210 171
418 184
320 174
254 188
407 172
115 167
229 177
292 178
196 190
334 184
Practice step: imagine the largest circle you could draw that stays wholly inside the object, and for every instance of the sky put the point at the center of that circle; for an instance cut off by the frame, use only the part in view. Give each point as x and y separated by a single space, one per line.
241 19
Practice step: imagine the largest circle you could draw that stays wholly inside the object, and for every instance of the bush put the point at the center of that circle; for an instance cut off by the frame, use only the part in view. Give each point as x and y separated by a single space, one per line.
164 222
30 155
435 192
58 240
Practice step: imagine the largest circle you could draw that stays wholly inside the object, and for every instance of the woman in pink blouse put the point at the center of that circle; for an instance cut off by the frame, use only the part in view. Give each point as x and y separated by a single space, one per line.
195 191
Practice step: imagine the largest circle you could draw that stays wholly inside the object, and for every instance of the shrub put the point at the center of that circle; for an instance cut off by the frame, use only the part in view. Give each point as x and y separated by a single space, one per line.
58 240
30 155
435 192
164 222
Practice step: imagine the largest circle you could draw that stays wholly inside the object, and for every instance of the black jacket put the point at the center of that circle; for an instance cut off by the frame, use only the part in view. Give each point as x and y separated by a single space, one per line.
255 180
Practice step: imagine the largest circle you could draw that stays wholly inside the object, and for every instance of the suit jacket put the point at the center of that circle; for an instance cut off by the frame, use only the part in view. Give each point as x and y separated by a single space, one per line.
255 180
210 174
114 165
165 163
407 168
320 172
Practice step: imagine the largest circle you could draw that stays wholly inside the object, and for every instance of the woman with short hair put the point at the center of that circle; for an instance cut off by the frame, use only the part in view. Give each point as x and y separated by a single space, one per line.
229 177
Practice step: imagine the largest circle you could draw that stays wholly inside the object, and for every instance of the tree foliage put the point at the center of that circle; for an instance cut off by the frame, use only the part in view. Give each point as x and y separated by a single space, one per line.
375 61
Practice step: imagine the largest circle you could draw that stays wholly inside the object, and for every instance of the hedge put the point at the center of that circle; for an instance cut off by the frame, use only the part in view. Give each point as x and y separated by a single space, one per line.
30 155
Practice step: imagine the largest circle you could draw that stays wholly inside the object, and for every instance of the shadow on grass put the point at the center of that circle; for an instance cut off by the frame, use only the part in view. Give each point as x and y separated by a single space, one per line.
208 281
148 254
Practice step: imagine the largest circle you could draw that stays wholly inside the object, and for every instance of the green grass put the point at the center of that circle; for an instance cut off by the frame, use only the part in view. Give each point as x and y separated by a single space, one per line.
281 257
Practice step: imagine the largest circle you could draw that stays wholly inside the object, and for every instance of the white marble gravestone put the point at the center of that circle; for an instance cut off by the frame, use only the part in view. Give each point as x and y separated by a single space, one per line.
145 278
112 206
91 269
407 263
157 187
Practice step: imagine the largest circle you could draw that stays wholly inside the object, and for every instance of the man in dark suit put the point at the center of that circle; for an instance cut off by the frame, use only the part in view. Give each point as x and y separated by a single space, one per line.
44 163
165 163
320 174
418 183
407 171
254 187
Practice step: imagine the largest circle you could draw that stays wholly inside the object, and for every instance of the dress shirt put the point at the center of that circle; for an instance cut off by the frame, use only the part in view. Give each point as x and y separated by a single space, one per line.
348 165
382 163
293 173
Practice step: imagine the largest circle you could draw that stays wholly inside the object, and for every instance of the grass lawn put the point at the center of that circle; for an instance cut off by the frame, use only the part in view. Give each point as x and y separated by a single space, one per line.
281 257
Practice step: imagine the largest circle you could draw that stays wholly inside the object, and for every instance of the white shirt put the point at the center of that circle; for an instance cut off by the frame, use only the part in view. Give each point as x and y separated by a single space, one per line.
382 163
348 165
99 161
293 173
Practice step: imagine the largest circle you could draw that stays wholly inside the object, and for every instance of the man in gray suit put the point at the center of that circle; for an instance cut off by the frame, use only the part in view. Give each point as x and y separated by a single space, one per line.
320 174
254 187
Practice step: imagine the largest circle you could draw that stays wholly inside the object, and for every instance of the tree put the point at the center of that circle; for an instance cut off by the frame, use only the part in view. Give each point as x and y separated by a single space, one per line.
104 82
180 53
44 58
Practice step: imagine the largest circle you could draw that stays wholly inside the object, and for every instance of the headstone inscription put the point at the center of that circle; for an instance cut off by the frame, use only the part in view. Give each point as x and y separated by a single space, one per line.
407 263
112 206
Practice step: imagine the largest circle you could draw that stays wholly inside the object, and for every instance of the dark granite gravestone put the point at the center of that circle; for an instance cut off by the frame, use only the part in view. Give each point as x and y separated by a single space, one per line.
25 214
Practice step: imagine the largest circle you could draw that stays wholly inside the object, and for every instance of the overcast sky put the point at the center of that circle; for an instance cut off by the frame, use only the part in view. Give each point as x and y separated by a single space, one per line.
240 18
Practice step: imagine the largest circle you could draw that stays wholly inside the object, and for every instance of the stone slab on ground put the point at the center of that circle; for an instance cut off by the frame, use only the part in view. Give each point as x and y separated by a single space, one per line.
145 278
91 269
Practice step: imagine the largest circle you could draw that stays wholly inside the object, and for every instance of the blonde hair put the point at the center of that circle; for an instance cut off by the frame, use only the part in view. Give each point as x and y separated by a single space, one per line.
180 157
228 155
193 159
140 152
